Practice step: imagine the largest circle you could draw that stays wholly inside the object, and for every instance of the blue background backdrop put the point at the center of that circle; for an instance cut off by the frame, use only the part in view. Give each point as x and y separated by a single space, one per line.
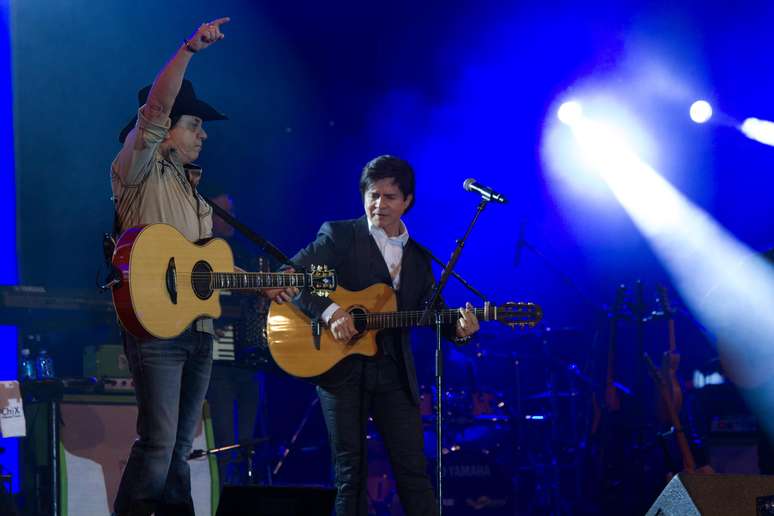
316 90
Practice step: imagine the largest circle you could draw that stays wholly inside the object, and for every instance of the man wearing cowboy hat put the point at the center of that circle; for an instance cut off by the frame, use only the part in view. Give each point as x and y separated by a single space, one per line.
154 181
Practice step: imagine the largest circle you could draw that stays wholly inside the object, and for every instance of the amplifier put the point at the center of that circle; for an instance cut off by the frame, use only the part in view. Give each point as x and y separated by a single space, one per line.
107 360
117 385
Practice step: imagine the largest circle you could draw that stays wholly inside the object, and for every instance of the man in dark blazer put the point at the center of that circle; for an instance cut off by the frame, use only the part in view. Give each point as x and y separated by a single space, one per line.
376 248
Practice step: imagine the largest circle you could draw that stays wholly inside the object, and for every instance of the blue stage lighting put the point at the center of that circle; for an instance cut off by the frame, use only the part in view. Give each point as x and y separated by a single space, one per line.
602 129
9 335
759 130
701 111
726 285
570 112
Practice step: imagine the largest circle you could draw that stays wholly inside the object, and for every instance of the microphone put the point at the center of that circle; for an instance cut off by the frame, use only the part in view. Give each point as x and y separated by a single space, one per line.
487 193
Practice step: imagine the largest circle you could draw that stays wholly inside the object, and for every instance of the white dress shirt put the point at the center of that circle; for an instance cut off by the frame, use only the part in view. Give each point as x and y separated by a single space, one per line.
392 252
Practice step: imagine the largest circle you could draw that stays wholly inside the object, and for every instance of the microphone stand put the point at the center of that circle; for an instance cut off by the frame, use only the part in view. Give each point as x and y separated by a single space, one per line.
456 276
247 445
431 307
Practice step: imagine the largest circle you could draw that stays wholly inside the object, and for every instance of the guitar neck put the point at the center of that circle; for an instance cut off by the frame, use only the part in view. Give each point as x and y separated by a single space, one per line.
682 441
257 280
672 339
611 351
412 319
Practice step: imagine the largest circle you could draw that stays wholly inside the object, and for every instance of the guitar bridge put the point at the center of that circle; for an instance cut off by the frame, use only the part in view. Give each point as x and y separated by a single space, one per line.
316 332
171 282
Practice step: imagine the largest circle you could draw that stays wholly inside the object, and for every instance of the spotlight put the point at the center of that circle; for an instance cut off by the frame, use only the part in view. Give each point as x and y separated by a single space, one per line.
570 112
759 130
727 286
701 111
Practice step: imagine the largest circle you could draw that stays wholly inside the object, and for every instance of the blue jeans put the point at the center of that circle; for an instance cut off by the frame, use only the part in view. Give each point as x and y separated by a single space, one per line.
170 381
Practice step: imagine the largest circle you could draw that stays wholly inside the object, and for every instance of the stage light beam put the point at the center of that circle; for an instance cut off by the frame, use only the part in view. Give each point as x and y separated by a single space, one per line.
570 112
728 287
701 111
761 131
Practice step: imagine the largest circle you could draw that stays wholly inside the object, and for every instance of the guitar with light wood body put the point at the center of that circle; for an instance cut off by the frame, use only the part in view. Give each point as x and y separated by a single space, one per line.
167 281
305 348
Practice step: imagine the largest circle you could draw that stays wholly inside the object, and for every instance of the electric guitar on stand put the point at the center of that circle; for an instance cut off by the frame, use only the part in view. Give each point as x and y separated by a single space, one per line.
670 360
670 394
304 348
611 397
167 282
689 464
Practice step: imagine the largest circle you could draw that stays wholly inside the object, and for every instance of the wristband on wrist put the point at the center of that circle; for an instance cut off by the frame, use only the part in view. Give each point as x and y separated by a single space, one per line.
187 45
463 340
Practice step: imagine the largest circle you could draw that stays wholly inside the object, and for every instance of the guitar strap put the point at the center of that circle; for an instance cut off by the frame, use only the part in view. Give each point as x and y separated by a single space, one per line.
113 275
251 235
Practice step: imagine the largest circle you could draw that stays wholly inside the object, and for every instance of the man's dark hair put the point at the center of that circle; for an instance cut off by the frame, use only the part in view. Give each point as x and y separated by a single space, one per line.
389 167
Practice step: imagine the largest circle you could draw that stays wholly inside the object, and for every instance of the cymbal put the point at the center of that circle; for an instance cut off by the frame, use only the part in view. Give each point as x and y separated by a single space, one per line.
467 420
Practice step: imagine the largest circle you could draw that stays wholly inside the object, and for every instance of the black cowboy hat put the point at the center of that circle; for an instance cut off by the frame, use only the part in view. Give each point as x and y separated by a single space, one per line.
186 103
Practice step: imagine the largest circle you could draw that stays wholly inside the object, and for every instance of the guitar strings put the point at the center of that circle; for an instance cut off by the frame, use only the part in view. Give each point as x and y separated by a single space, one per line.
445 312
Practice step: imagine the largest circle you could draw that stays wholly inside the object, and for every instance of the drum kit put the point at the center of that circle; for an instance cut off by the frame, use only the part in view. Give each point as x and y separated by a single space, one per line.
517 409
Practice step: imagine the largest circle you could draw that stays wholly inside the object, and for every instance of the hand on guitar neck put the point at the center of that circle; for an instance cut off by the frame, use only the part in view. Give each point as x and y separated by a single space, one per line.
343 327
281 295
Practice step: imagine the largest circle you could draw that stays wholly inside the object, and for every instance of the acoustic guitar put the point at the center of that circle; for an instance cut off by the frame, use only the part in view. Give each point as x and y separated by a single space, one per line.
304 348
670 360
167 282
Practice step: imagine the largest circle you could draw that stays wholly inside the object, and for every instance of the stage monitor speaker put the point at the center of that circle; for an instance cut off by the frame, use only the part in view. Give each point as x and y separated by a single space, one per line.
96 434
716 495
276 501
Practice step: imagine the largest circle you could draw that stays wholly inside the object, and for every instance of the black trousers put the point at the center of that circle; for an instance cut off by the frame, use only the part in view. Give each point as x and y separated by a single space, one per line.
376 388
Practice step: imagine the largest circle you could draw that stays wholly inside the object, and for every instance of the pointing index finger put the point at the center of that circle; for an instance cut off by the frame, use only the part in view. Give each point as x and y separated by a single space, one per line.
220 21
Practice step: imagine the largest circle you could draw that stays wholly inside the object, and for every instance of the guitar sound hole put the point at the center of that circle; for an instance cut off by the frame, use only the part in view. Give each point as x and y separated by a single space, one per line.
201 280
360 322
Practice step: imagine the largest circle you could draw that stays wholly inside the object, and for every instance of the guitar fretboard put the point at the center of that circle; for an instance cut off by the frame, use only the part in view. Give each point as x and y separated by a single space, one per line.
520 314
255 280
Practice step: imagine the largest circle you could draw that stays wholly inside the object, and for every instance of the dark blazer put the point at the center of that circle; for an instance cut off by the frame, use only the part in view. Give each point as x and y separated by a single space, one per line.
349 248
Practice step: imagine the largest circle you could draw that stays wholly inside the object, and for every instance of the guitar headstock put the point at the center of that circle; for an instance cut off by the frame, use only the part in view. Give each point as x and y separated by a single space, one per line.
322 281
519 314
634 303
